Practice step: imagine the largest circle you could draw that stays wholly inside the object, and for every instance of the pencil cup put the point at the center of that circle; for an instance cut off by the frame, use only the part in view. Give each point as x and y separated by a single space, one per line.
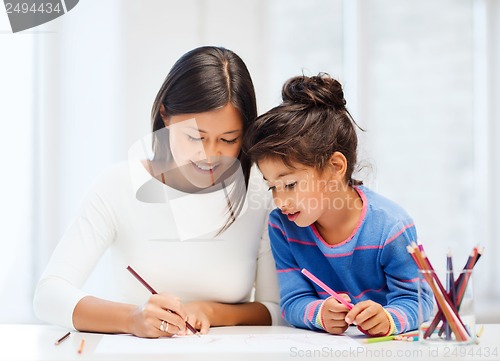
452 319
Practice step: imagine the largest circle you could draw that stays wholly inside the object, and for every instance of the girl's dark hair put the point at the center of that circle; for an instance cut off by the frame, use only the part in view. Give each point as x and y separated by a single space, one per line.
309 125
204 79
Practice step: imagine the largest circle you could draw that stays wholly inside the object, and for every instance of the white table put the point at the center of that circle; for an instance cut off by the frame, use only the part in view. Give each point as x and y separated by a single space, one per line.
36 342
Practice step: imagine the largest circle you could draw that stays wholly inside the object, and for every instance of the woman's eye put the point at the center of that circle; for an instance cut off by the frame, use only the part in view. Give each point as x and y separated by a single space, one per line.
193 139
291 185
230 141
272 188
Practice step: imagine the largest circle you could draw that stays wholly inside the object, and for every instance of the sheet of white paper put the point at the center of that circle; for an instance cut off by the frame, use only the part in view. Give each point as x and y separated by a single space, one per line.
221 343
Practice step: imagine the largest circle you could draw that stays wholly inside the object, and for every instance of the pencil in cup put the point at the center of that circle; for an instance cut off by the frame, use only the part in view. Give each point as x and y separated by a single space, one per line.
326 288
450 288
460 320
459 287
441 296
152 290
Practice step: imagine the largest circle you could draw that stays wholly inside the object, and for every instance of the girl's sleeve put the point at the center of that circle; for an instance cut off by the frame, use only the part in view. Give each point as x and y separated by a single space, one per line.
74 258
402 280
299 302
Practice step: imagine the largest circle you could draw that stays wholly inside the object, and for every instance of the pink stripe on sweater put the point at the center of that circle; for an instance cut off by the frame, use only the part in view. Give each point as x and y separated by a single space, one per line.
368 290
311 309
401 318
291 239
275 226
287 270
301 242
360 248
338 255
398 234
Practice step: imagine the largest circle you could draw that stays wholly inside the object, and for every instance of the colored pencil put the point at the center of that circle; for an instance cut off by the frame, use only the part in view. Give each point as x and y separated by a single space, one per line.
326 288
400 337
380 339
464 277
480 331
450 288
59 341
152 290
410 339
82 344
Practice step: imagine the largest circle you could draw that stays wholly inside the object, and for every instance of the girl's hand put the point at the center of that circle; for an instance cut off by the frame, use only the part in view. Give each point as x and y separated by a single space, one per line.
370 317
199 315
146 320
333 314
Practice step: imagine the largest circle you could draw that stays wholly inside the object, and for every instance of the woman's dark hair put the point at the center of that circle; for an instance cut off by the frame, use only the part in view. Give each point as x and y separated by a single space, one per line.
309 125
204 79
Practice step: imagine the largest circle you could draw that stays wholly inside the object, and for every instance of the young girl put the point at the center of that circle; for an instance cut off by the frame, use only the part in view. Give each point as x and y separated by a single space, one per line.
189 219
348 236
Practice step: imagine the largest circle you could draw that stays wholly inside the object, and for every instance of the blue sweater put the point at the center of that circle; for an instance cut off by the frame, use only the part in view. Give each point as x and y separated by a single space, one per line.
372 264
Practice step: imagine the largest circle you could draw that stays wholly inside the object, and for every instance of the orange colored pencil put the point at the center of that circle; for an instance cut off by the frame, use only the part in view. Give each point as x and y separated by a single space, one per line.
82 344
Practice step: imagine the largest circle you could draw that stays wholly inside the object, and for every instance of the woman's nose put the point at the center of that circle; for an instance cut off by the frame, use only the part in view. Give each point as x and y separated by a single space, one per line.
211 150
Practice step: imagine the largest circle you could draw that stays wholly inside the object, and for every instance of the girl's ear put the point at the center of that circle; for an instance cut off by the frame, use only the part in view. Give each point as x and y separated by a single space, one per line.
338 163
163 114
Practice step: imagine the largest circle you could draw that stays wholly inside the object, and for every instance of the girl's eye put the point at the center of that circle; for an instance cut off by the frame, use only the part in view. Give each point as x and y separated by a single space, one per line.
291 185
193 139
272 188
230 141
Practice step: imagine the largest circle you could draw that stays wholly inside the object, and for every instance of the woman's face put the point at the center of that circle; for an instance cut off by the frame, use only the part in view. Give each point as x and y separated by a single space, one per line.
205 145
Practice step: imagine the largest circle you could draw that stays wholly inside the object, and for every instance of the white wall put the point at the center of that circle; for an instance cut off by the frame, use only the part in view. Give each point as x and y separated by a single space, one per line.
16 190
77 92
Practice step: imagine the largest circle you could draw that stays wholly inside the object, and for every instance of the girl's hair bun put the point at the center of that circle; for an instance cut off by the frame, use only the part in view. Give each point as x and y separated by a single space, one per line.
320 90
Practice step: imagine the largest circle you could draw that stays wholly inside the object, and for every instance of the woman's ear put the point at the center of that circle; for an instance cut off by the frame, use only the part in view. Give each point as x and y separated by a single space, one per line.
338 163
163 114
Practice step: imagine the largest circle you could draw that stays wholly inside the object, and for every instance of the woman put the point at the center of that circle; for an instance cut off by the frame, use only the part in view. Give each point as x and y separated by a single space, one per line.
189 219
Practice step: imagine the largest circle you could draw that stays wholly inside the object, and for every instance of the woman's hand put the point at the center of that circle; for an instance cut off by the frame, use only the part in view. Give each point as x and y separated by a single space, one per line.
370 317
333 314
199 315
163 315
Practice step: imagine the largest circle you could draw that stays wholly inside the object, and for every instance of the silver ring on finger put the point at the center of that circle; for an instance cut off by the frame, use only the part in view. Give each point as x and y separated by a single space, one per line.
164 326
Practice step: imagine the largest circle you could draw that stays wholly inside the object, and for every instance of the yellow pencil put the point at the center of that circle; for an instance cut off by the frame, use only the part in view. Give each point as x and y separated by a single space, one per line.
480 331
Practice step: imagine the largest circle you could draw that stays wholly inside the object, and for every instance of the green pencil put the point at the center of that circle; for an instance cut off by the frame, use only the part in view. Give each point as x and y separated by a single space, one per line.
402 336
379 339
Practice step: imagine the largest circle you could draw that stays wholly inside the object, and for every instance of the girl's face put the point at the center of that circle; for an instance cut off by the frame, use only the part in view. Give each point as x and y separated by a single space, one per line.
205 145
303 194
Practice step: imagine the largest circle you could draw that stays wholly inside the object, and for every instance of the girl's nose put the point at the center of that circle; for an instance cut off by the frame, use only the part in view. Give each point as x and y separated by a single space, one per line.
283 204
